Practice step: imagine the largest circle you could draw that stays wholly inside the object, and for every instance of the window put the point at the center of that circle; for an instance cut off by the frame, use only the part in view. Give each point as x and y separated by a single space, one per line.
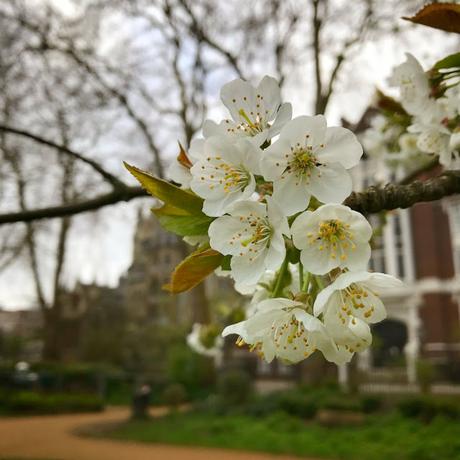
377 263
454 220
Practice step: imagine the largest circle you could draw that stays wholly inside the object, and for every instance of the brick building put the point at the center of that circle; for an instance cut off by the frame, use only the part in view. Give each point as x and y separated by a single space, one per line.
421 246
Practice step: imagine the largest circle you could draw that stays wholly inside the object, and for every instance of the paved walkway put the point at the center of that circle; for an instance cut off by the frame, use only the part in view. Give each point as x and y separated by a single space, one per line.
53 438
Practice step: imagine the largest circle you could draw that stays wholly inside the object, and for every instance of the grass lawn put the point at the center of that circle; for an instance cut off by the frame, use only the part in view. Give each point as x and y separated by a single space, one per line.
381 437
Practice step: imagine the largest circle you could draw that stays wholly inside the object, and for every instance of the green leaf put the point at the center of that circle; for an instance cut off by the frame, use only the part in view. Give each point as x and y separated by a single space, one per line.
453 60
181 222
225 265
194 269
166 192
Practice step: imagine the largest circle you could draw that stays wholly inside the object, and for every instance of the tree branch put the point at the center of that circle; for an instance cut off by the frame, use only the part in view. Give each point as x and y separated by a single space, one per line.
372 200
62 148
393 196
116 196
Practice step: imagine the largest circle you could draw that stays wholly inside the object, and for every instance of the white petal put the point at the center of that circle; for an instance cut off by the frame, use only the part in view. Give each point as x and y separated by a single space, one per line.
271 96
247 269
318 262
283 116
238 95
298 128
341 146
291 195
273 161
333 186
223 231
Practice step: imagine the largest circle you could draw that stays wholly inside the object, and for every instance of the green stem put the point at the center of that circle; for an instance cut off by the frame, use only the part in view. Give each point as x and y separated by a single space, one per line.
279 280
319 281
300 275
306 283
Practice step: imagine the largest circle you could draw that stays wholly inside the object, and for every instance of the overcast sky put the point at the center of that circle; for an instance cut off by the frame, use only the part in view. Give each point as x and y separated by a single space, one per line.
105 251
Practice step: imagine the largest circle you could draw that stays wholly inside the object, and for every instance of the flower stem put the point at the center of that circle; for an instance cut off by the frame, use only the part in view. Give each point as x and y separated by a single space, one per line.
319 281
300 275
306 282
279 281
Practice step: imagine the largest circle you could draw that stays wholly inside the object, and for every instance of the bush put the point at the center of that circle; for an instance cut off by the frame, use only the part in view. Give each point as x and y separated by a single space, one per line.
370 404
427 408
27 402
174 395
194 371
234 387
299 404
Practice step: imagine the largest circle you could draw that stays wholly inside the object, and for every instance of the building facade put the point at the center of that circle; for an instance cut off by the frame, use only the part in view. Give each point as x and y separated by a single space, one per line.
421 246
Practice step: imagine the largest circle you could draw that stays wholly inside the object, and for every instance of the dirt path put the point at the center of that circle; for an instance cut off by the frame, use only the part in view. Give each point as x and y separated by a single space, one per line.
53 438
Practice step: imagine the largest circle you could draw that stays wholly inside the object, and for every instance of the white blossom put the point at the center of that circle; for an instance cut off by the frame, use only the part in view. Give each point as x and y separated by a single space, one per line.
257 113
180 173
224 173
413 85
253 235
352 302
310 159
280 328
330 237
195 342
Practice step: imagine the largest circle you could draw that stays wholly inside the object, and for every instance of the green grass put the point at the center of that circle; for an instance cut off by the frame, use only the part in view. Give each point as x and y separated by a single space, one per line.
382 437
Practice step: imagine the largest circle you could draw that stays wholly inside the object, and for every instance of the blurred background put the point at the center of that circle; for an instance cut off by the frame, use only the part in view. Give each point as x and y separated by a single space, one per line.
84 322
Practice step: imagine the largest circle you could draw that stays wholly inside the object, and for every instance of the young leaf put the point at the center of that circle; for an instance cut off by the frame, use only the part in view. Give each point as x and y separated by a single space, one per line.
181 222
444 16
194 269
453 60
166 192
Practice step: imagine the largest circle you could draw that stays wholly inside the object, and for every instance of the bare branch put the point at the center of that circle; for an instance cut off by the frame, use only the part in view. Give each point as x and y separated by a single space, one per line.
92 204
393 196
61 148
372 200
197 30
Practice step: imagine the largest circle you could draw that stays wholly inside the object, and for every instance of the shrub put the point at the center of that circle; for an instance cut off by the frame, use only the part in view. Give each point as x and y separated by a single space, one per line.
234 387
174 395
427 408
370 404
29 402
299 404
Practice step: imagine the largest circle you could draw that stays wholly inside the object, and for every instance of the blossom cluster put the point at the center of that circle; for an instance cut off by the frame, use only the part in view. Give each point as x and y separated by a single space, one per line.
273 186
428 124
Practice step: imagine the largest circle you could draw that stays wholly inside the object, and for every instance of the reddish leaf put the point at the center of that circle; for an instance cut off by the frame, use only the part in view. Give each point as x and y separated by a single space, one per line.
444 16
194 269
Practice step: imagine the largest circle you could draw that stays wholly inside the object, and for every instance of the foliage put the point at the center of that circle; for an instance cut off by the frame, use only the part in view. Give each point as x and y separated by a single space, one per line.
382 437
28 402
429 407
193 371
234 387
426 374
174 395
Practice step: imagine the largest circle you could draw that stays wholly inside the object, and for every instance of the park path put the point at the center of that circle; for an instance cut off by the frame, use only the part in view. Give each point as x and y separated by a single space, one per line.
54 438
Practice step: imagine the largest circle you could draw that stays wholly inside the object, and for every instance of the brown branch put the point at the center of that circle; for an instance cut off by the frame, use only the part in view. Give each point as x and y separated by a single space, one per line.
393 196
199 32
116 196
372 200
316 30
62 148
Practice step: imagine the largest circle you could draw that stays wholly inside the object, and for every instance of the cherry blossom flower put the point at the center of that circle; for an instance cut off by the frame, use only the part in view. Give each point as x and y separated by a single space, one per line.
413 85
352 302
200 334
180 172
253 235
223 173
280 328
257 113
330 237
310 159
